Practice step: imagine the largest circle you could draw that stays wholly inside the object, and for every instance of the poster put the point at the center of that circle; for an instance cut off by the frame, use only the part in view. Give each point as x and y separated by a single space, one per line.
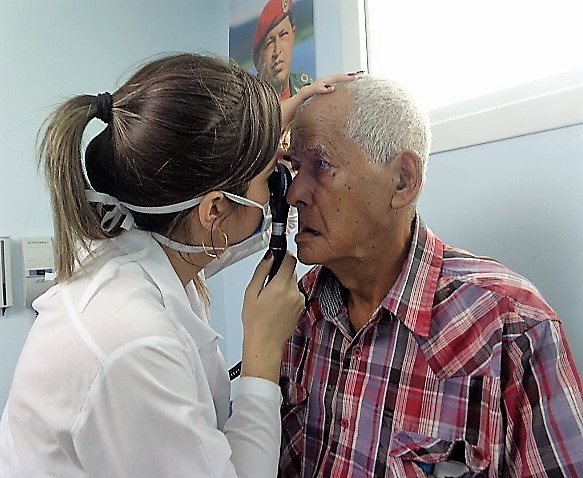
274 39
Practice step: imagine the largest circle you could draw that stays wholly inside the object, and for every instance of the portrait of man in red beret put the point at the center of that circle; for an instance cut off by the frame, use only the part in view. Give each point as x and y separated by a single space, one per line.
273 41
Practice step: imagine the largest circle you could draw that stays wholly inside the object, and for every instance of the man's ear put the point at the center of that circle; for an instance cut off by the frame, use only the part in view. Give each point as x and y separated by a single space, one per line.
408 168
212 206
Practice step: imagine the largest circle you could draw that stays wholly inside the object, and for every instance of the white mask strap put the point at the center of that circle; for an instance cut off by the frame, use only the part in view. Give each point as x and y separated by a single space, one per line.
177 246
111 218
121 213
243 200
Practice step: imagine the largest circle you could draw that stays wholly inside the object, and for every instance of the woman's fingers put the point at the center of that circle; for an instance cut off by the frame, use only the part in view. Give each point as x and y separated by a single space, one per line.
320 86
326 83
257 282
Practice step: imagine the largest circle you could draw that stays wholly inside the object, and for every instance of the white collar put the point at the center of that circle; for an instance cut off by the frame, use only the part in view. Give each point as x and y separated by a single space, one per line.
143 249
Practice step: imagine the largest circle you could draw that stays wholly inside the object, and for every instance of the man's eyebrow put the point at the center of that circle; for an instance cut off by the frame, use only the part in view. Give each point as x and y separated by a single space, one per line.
314 148
310 149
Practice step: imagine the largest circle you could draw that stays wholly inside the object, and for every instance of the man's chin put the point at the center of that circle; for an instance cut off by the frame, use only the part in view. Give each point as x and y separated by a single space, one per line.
306 258
279 81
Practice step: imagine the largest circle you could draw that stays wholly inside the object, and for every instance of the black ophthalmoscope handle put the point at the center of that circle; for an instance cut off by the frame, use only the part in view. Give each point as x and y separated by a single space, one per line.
279 183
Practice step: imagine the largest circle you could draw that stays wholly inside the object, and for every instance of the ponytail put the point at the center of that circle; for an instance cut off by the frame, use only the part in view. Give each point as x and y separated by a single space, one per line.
75 221
181 126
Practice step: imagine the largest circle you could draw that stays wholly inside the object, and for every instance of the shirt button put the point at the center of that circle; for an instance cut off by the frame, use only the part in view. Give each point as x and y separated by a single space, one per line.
344 423
356 352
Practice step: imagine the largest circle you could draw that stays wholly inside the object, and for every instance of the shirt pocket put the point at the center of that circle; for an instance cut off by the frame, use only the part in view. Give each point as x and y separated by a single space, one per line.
437 456
293 416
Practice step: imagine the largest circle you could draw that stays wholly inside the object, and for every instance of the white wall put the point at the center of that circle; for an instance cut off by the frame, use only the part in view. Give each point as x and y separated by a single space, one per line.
50 51
519 201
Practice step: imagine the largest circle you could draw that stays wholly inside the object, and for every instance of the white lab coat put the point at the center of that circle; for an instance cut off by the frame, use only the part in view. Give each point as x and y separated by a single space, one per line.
121 376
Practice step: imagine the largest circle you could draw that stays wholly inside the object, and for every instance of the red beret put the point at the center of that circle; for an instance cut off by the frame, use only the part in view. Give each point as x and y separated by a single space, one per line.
273 12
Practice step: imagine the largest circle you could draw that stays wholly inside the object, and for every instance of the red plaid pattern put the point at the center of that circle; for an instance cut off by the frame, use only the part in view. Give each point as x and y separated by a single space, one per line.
463 360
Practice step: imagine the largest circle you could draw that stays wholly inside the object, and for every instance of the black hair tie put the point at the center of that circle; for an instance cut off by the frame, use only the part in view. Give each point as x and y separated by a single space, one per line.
104 107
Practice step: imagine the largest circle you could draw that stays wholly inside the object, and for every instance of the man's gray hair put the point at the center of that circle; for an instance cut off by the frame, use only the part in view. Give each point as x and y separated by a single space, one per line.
386 120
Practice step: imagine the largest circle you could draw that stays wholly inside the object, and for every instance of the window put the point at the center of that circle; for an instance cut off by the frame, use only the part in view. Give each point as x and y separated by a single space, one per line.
485 70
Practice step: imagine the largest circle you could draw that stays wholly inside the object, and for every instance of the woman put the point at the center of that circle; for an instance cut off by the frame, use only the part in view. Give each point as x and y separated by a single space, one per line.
121 374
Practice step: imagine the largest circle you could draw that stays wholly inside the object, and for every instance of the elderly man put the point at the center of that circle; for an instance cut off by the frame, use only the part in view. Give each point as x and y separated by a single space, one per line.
272 49
413 357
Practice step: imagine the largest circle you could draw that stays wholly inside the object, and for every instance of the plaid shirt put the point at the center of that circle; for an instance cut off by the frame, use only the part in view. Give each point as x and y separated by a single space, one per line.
462 361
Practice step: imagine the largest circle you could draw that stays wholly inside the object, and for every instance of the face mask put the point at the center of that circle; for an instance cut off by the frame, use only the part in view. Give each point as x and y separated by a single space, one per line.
257 242
121 214
234 253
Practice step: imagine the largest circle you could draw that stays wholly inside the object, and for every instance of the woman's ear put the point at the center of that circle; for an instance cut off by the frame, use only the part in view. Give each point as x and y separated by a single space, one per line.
408 168
212 206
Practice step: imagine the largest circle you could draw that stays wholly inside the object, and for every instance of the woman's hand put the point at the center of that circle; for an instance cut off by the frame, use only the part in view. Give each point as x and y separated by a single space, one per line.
320 86
270 314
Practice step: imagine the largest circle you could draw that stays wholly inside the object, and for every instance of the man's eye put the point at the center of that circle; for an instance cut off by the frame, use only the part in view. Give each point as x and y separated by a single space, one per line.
321 165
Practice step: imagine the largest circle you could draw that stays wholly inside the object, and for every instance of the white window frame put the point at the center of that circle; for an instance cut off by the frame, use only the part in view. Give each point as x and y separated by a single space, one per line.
525 109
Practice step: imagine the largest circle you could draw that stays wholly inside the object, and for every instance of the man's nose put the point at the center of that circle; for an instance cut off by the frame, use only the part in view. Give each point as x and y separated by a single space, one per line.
276 48
300 190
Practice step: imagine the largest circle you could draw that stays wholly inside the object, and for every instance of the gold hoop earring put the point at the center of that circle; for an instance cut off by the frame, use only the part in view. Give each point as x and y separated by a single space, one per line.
285 139
214 254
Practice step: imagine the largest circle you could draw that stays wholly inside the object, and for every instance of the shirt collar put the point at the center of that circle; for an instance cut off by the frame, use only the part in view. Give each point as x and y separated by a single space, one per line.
179 302
411 297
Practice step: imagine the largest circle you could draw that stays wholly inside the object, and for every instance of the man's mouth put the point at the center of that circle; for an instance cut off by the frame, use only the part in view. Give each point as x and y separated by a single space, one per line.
277 65
305 230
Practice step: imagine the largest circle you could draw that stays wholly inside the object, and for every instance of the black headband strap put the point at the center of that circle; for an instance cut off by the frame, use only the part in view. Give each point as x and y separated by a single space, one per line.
104 107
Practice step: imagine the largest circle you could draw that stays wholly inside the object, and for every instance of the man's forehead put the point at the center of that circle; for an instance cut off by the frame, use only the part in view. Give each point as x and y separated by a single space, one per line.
331 109
317 132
